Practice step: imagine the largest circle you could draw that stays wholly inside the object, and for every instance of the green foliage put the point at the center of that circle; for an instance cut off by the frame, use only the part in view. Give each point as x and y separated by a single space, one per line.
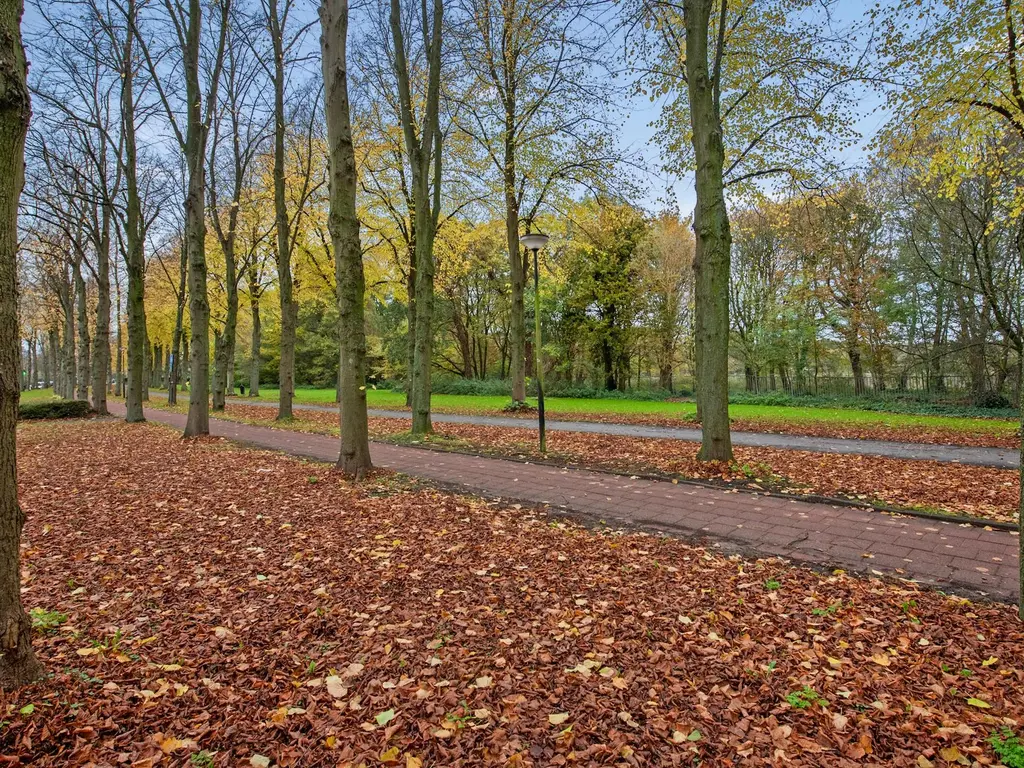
772 584
805 698
55 409
202 759
1008 748
46 621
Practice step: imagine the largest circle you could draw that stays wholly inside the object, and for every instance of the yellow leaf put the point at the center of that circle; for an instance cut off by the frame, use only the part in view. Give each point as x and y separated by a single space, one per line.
331 742
881 660
88 651
390 755
989 661
413 762
558 718
171 744
979 703
950 754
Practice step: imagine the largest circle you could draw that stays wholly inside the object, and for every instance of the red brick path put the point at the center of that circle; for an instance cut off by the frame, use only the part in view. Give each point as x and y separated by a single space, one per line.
946 555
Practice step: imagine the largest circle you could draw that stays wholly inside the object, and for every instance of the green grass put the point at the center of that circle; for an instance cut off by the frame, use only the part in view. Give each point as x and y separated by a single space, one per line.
568 407
37 395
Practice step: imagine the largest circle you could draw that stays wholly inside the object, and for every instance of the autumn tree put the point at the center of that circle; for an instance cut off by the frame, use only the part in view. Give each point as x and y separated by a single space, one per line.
534 94
755 91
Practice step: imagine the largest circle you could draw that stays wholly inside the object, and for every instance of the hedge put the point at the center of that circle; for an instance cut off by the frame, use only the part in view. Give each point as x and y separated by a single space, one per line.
55 409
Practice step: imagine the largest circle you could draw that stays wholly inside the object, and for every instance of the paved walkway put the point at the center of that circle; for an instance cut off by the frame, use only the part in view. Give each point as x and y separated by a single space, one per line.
964 558
986 457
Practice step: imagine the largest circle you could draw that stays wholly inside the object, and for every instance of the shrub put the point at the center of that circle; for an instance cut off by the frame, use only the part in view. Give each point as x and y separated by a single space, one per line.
55 409
991 400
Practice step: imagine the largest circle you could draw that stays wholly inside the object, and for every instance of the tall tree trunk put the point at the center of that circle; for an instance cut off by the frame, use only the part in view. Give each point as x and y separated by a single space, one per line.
54 337
198 421
135 258
82 319
354 456
517 266
119 365
289 307
857 365
224 342
713 239
179 322
68 363
410 289
423 150
18 664
257 334
101 336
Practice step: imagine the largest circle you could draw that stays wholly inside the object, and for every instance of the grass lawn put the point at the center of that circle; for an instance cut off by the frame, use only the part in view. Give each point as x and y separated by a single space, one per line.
610 407
37 395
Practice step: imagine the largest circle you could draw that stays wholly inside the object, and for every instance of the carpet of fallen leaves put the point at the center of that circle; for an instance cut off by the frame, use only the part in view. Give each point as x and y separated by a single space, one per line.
984 436
218 606
958 489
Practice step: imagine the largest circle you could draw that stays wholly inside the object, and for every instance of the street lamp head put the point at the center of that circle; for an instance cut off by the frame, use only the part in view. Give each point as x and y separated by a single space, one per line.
534 241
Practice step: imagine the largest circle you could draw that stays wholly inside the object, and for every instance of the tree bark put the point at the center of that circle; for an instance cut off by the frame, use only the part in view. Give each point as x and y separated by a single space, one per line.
354 456
423 149
179 322
713 239
289 308
257 334
196 132
18 663
135 257
82 318
101 335
517 270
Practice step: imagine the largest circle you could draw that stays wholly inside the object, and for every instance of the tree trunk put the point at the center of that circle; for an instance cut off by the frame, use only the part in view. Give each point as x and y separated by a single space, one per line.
289 308
198 421
354 456
517 273
82 318
54 335
257 331
101 336
224 342
18 664
68 363
179 322
713 241
410 336
423 150
135 257
859 387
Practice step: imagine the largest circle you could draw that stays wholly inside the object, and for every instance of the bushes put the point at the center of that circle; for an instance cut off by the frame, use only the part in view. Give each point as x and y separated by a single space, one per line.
55 409
995 407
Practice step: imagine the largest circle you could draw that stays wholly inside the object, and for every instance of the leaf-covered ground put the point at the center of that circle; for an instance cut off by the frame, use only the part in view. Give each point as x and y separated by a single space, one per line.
204 605
958 489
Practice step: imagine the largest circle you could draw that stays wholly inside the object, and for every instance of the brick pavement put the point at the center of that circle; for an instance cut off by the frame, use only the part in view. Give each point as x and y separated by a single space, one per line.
962 558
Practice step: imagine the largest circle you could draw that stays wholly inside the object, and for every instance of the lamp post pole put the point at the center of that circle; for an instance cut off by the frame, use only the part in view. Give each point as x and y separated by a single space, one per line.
535 242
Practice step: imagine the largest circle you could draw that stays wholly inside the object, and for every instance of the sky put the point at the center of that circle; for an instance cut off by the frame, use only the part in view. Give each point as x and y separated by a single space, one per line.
638 113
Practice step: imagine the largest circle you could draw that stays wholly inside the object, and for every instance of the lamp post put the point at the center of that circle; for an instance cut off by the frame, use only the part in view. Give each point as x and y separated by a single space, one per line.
535 242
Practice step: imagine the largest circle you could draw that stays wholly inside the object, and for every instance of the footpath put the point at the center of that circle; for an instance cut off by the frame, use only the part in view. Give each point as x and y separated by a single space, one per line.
954 557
